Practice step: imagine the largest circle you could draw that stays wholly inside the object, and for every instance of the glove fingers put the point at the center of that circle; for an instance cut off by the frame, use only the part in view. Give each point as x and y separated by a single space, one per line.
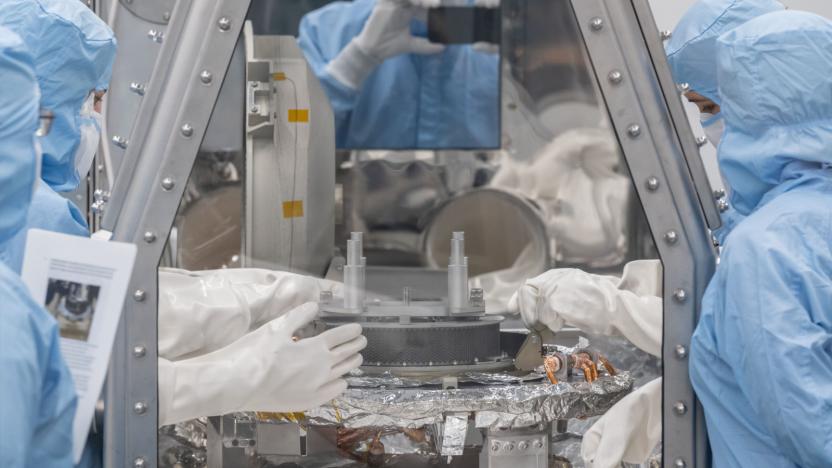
346 350
340 335
420 45
513 305
298 317
346 366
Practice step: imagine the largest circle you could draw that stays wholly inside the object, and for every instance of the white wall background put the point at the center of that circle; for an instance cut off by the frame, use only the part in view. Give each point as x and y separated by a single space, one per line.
667 14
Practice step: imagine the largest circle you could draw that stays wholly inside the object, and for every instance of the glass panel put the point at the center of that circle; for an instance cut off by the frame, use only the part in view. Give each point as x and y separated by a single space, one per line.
373 205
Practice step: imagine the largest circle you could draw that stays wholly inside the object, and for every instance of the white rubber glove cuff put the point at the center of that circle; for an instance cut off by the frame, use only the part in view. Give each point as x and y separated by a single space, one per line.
352 66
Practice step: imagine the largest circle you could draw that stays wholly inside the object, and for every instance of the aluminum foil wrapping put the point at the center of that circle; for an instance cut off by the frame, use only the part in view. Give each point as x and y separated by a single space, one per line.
497 406
453 434
358 379
183 445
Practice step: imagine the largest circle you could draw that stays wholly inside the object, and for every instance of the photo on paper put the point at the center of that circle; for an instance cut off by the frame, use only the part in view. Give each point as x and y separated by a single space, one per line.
73 306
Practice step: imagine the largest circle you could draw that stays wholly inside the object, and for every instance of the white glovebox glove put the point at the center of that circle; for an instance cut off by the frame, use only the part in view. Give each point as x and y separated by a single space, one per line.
265 370
630 306
203 311
628 432
386 34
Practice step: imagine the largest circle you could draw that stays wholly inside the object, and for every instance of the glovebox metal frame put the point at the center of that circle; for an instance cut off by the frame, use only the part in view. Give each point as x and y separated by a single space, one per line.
645 110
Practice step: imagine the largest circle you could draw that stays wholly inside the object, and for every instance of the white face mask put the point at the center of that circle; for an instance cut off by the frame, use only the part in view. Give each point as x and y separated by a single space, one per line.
90 134
714 127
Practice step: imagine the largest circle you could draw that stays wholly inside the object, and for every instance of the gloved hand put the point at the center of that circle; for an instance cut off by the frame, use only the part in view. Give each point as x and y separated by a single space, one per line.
203 311
605 305
386 34
265 370
629 432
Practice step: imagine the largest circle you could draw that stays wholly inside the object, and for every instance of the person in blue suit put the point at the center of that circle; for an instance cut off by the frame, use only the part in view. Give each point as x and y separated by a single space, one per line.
761 355
391 88
37 397
73 51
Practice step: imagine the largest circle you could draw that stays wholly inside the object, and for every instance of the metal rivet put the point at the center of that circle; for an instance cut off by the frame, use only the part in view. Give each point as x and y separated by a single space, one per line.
683 87
156 36
681 351
495 447
671 237
166 16
652 183
666 34
140 407
679 463
680 408
224 24
701 141
206 77
255 109
167 184
255 84
680 295
139 351
139 463
596 23
150 237
722 205
616 77
634 130
187 130
538 444
119 141
137 88
510 447
523 445
139 295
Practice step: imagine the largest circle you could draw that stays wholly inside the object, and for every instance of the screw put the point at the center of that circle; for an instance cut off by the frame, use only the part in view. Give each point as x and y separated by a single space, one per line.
119 141
140 407
616 77
224 24
679 463
671 237
510 447
538 444
680 408
255 109
652 183
156 36
719 194
701 141
139 463
149 237
665 35
523 445
137 88
167 184
187 130
139 295
680 295
596 23
255 84
681 351
634 131
495 447
722 205
683 87
206 77
139 351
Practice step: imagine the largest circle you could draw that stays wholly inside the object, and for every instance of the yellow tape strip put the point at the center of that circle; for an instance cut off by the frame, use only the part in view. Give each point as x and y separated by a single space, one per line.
298 115
278 76
293 209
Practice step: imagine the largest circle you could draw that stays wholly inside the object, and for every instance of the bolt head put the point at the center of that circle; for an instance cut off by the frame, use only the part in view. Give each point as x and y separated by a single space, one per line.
140 407
523 445
681 351
224 24
149 237
680 408
510 447
722 205
683 87
616 77
139 295
634 130
495 446
596 24
255 109
139 463
665 35
206 77
652 183
167 184
680 295
139 351
701 141
538 444
671 237
187 130
679 463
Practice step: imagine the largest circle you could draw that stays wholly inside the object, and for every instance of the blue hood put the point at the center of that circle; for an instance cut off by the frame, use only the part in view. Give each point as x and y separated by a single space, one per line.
691 51
774 74
18 124
74 52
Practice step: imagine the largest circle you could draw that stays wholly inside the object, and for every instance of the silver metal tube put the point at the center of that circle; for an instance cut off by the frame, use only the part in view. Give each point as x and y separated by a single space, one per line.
354 273
457 273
